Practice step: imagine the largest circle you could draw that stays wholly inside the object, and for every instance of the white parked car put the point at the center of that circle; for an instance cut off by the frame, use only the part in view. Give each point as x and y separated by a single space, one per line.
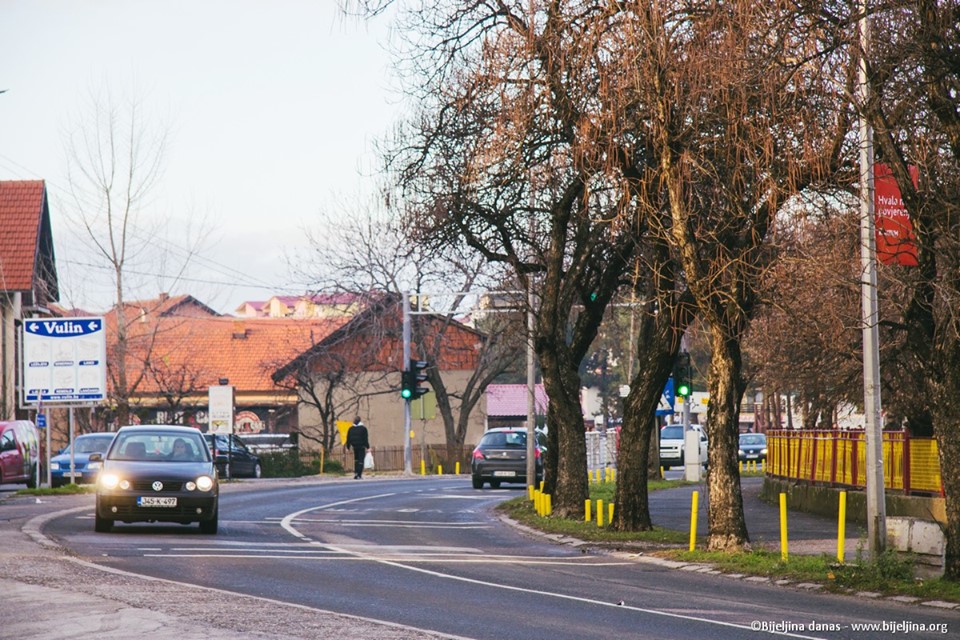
672 452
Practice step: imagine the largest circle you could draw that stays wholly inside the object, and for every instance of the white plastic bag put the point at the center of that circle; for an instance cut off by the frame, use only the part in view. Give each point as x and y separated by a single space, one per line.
368 460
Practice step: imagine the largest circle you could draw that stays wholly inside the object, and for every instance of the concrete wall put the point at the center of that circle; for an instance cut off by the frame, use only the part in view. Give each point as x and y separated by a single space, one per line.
824 500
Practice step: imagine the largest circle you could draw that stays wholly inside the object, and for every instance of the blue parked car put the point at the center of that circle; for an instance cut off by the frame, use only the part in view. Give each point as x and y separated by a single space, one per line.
84 471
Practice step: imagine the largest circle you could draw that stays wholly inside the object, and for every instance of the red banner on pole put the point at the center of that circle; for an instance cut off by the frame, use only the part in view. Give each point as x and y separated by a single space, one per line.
896 243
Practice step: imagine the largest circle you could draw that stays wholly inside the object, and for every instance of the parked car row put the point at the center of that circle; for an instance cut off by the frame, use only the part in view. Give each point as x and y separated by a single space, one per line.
20 456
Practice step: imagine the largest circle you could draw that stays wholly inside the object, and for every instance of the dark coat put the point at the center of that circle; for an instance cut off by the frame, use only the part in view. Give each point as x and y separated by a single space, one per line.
357 437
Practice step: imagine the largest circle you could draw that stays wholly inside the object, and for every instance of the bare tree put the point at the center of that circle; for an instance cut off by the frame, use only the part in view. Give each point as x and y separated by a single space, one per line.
368 251
115 160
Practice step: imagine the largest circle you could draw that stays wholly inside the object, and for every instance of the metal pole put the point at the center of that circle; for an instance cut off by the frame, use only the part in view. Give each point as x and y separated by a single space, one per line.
876 507
73 478
531 394
407 445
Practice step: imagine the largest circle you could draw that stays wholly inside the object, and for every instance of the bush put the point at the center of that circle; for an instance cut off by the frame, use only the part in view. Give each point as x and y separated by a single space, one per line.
286 464
289 464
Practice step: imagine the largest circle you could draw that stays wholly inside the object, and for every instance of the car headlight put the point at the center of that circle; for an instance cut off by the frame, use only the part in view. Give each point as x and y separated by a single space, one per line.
204 483
740 452
54 466
763 451
93 466
109 480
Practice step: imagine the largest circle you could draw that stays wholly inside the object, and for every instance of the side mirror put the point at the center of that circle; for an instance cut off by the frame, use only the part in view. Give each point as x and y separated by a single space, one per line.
96 457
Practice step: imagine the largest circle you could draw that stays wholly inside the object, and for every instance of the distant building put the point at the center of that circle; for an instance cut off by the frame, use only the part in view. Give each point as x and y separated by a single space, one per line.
507 404
320 305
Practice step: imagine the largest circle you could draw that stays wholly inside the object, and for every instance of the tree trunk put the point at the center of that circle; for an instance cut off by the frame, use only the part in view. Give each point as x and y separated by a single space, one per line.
727 527
570 487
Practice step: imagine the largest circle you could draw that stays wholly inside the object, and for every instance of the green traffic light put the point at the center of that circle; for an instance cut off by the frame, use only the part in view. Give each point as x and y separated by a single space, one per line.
683 390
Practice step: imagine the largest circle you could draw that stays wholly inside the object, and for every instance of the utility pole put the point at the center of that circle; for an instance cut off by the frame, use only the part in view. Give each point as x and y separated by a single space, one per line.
531 394
873 428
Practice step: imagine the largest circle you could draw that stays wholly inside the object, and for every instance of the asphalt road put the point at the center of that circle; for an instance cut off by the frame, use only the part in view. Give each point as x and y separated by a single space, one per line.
431 554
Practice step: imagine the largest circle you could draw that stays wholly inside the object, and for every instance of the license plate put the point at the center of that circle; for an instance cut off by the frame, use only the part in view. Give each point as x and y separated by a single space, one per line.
751 456
75 474
504 474
147 501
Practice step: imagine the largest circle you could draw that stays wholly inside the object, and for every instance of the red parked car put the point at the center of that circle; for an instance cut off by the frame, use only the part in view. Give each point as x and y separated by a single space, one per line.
19 453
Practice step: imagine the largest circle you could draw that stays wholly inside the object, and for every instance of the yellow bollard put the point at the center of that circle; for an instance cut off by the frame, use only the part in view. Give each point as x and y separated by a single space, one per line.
842 526
599 513
586 510
530 491
661 473
610 513
423 468
783 526
541 485
457 468
439 469
548 508
613 474
695 498
536 501
321 459
741 467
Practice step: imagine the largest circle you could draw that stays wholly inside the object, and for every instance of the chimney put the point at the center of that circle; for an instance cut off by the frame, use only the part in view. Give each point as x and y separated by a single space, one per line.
240 331
164 297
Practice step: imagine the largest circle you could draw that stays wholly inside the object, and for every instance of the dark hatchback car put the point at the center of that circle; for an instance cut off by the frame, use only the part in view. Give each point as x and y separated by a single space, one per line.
753 446
501 456
157 473
230 449
84 471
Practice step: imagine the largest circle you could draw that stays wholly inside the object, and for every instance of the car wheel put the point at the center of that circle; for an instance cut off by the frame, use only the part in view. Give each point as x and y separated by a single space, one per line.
209 527
102 525
477 482
257 470
32 480
494 484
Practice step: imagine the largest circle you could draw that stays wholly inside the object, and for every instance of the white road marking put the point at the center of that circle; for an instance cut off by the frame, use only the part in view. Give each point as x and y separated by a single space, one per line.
287 524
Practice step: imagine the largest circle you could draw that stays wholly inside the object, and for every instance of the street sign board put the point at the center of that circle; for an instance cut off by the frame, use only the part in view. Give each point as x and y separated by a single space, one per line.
64 360
221 408
665 407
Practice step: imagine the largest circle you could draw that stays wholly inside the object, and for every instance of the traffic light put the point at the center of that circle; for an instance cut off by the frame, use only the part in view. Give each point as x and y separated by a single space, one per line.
681 375
412 379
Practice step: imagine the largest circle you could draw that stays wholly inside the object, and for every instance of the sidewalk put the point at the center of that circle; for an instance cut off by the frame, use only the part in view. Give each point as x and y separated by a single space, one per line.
807 533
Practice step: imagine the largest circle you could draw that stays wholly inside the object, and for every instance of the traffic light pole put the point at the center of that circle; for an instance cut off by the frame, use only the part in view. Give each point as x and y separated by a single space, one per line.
407 423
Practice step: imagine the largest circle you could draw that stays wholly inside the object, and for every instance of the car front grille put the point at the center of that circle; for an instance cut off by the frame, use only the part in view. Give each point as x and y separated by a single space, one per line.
147 485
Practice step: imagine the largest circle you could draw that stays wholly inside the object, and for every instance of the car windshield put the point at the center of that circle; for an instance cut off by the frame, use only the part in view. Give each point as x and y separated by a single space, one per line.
672 433
91 444
753 438
505 439
159 447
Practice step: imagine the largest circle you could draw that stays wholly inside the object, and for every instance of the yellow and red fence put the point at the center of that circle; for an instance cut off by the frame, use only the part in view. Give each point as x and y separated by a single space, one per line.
838 458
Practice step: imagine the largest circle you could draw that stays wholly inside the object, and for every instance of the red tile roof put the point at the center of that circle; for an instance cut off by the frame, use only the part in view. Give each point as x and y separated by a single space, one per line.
21 209
204 349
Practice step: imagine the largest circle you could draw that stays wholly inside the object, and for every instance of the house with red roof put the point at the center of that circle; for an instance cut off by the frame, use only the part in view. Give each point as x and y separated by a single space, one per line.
28 275
365 359
178 347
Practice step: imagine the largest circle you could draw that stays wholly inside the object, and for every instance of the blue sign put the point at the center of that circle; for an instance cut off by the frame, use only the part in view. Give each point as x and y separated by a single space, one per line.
64 360
665 408
64 328
41 420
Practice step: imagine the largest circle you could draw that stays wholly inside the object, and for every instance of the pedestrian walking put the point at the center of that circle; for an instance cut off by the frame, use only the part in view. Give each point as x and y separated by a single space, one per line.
357 439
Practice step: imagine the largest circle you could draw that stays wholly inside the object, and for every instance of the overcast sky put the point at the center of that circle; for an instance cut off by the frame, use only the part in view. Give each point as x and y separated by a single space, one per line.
272 109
